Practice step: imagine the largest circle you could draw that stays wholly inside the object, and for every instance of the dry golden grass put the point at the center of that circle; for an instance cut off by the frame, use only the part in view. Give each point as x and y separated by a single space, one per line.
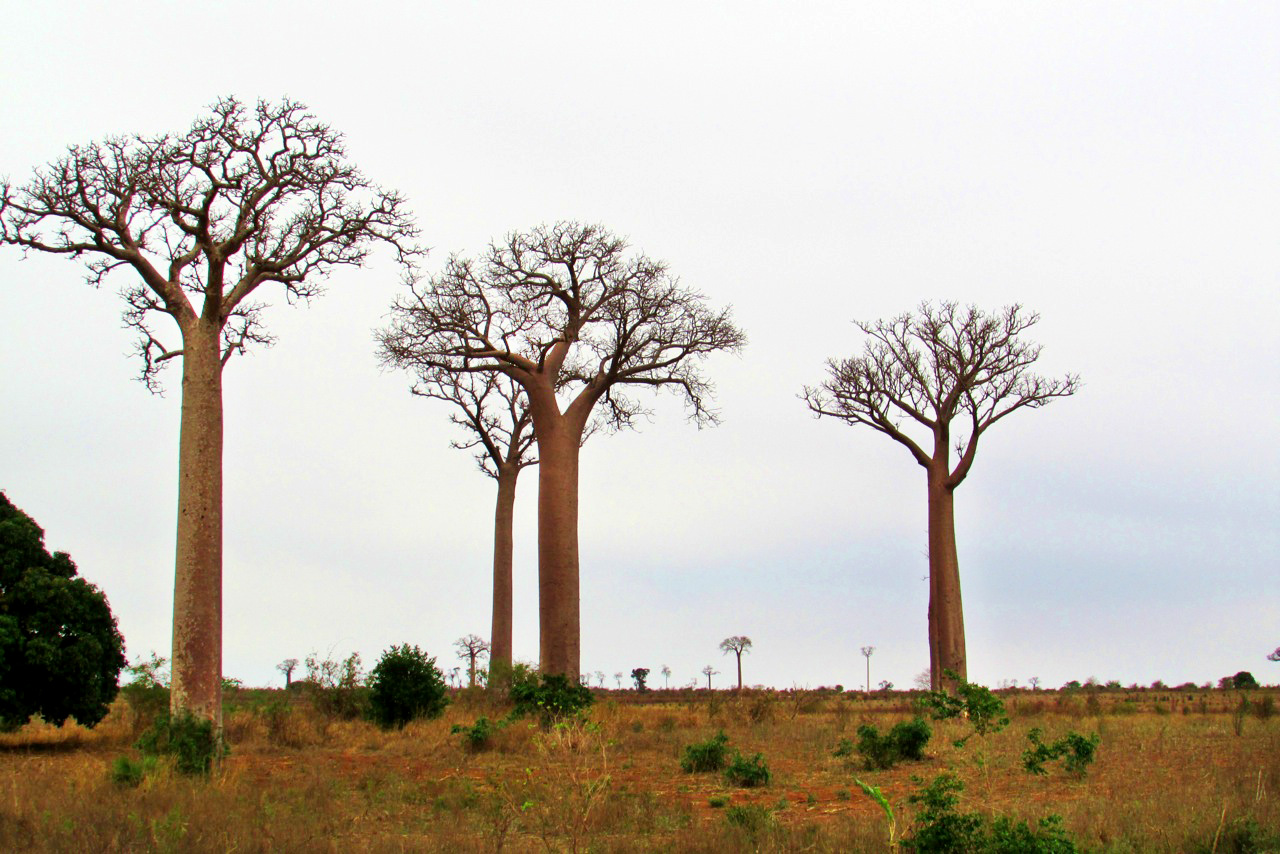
1169 777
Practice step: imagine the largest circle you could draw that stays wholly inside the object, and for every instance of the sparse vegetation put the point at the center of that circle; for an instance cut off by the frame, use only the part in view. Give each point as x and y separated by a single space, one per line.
617 784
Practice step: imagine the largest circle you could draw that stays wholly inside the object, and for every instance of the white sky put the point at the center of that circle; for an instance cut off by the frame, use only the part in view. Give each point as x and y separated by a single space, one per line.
1114 166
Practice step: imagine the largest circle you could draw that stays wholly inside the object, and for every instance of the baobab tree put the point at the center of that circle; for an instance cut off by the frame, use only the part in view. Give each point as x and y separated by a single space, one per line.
470 648
666 676
287 667
494 412
566 313
738 644
708 672
246 200
1275 656
946 373
867 652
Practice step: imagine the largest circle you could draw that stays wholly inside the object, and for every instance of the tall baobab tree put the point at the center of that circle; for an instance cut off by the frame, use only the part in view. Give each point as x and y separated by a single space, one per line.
469 649
246 200
738 644
564 311
494 412
946 373
666 676
866 653
708 672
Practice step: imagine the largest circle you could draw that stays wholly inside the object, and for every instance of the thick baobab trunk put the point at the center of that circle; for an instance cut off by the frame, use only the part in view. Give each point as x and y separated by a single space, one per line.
500 632
558 607
946 633
197 592
739 671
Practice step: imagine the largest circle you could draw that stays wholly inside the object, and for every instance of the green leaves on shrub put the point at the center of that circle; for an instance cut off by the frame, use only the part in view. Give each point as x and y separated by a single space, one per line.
905 741
706 755
405 685
191 741
126 772
1074 749
983 709
941 829
551 696
747 773
476 737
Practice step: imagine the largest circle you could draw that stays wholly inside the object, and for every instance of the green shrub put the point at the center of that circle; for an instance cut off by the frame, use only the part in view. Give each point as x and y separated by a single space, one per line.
550 696
191 741
941 829
147 691
706 755
983 709
717 802
126 772
405 685
844 747
477 736
747 773
1074 749
905 741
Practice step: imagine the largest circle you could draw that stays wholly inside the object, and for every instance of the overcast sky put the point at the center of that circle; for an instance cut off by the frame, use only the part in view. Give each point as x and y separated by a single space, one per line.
1113 166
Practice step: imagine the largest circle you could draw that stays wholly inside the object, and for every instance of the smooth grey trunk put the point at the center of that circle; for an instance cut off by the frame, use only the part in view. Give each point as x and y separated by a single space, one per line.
500 643
197 592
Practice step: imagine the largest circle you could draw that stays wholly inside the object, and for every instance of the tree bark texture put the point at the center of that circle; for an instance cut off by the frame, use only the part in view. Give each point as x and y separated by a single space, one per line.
500 643
197 592
739 670
945 607
558 598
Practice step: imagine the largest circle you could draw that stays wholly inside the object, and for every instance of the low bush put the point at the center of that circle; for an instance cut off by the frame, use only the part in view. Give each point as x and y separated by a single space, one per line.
1074 749
747 773
941 829
706 755
905 741
405 685
191 741
476 738
126 772
550 696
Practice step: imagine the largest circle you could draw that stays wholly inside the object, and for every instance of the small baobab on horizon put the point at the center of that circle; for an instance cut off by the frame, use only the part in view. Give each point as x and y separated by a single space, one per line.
737 644
708 672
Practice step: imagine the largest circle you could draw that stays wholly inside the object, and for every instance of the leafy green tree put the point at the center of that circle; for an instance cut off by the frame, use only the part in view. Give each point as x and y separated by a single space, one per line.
406 684
60 650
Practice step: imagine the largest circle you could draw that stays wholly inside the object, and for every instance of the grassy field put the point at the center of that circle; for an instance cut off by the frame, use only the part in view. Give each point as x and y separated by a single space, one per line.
1175 772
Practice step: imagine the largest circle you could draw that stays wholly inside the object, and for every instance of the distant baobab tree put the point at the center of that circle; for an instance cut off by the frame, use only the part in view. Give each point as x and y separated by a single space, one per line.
617 678
1275 656
951 373
600 678
867 651
494 411
287 667
469 649
708 672
567 314
666 676
247 199
738 644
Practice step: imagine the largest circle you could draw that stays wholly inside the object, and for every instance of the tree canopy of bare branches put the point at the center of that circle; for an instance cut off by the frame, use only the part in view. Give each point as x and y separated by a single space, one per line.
935 380
247 199
578 323
470 648
493 412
